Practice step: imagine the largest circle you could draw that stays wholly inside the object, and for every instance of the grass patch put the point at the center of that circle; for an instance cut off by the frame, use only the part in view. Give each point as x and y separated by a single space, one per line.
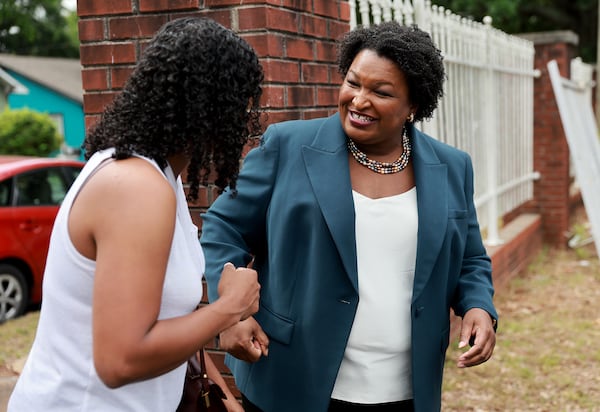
17 336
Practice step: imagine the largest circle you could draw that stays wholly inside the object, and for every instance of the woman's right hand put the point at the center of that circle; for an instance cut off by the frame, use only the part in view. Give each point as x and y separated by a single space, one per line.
239 287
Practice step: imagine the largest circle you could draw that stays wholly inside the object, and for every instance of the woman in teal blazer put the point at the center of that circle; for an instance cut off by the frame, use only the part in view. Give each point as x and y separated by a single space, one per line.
293 212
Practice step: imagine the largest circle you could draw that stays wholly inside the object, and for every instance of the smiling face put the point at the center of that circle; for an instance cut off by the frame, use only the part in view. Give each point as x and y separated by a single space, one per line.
374 102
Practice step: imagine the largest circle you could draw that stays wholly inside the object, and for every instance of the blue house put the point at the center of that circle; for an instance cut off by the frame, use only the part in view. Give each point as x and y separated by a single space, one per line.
50 85
8 85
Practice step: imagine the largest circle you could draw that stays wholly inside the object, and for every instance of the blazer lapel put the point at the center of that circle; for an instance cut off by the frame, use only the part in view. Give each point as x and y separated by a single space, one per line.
432 202
326 162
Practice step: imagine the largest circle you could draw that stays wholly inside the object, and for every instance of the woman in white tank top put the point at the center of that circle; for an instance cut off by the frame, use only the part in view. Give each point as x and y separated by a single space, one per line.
124 270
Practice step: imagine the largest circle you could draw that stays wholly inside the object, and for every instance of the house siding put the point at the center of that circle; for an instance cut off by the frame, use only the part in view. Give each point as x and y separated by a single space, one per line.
45 100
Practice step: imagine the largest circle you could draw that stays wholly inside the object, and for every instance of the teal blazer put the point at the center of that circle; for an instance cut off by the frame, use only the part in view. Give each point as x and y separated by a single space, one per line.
294 212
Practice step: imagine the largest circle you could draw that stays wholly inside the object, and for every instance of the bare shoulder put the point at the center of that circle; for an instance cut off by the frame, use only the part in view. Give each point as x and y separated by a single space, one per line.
125 191
129 180
118 203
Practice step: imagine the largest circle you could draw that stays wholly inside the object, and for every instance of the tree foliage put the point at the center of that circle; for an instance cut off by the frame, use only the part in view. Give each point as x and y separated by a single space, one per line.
72 29
36 28
26 132
524 16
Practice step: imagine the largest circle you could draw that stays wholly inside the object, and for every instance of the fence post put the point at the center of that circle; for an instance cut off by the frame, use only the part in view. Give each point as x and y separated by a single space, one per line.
491 136
352 4
551 154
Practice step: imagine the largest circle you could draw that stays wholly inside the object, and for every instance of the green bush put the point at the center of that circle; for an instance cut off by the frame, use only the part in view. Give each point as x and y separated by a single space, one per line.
26 132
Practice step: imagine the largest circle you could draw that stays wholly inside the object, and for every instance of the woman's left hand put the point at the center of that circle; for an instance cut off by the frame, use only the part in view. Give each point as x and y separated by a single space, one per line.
478 330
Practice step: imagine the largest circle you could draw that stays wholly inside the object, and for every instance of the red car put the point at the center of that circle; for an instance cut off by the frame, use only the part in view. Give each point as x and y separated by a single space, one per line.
31 191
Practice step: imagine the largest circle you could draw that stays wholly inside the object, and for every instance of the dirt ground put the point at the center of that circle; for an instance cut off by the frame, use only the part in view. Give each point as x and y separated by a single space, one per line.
547 355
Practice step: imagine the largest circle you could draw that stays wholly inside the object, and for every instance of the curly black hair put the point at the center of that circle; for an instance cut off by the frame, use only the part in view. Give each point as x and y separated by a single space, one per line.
413 52
196 89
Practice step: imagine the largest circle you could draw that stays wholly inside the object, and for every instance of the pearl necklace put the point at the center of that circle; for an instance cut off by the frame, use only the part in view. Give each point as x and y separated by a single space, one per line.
383 168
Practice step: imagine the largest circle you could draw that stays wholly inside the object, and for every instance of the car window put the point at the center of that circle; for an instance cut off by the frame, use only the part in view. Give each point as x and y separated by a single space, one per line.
58 187
71 173
5 190
39 188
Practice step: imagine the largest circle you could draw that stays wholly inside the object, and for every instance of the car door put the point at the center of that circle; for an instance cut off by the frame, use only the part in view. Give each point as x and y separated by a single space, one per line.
37 197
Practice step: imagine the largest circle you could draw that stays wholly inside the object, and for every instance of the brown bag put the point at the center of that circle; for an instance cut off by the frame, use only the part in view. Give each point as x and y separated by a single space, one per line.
200 394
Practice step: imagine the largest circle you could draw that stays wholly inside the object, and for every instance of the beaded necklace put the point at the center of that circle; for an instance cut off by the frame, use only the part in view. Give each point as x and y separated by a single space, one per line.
383 168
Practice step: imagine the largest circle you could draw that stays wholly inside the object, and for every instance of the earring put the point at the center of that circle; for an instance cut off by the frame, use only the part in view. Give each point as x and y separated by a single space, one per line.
411 117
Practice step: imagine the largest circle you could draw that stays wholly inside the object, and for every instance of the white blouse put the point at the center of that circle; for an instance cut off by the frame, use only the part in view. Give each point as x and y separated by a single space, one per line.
377 363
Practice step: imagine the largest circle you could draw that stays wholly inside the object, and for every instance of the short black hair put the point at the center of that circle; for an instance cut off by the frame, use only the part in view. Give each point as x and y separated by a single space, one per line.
196 89
413 52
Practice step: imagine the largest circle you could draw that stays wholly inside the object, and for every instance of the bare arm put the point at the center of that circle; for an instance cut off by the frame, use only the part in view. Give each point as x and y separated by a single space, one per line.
213 373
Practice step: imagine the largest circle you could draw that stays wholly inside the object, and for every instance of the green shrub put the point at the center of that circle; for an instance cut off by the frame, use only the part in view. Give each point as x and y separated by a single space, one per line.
26 132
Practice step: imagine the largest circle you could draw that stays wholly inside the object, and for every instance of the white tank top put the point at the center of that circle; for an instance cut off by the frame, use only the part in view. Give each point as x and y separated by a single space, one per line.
376 367
59 374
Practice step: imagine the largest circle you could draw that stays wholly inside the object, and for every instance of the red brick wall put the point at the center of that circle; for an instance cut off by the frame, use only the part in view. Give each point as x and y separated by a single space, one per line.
294 39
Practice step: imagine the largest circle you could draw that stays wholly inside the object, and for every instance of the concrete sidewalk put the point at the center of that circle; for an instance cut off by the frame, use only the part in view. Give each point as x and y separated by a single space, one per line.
7 383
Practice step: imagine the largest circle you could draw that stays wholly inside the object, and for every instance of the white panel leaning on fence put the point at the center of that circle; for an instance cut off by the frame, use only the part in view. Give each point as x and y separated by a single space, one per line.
577 116
487 109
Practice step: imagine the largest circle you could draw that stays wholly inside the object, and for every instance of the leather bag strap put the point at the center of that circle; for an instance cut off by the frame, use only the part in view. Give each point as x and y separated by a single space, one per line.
203 372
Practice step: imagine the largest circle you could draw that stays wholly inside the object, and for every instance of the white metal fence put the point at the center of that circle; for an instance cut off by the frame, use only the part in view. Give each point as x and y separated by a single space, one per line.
487 109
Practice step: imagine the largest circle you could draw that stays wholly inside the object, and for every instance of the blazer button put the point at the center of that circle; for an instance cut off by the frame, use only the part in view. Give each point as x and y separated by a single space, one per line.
419 310
344 301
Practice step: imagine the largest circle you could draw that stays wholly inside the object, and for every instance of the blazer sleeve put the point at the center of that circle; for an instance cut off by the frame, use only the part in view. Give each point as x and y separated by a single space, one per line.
234 227
475 288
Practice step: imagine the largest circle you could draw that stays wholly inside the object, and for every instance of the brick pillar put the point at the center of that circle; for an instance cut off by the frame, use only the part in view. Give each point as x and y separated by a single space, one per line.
551 151
294 39
296 45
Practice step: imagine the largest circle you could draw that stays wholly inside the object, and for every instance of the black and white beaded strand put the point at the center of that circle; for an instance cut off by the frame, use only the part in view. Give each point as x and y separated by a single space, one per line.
383 168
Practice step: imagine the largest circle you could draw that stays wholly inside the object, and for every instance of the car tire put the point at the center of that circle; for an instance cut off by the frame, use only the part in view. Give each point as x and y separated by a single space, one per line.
14 293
